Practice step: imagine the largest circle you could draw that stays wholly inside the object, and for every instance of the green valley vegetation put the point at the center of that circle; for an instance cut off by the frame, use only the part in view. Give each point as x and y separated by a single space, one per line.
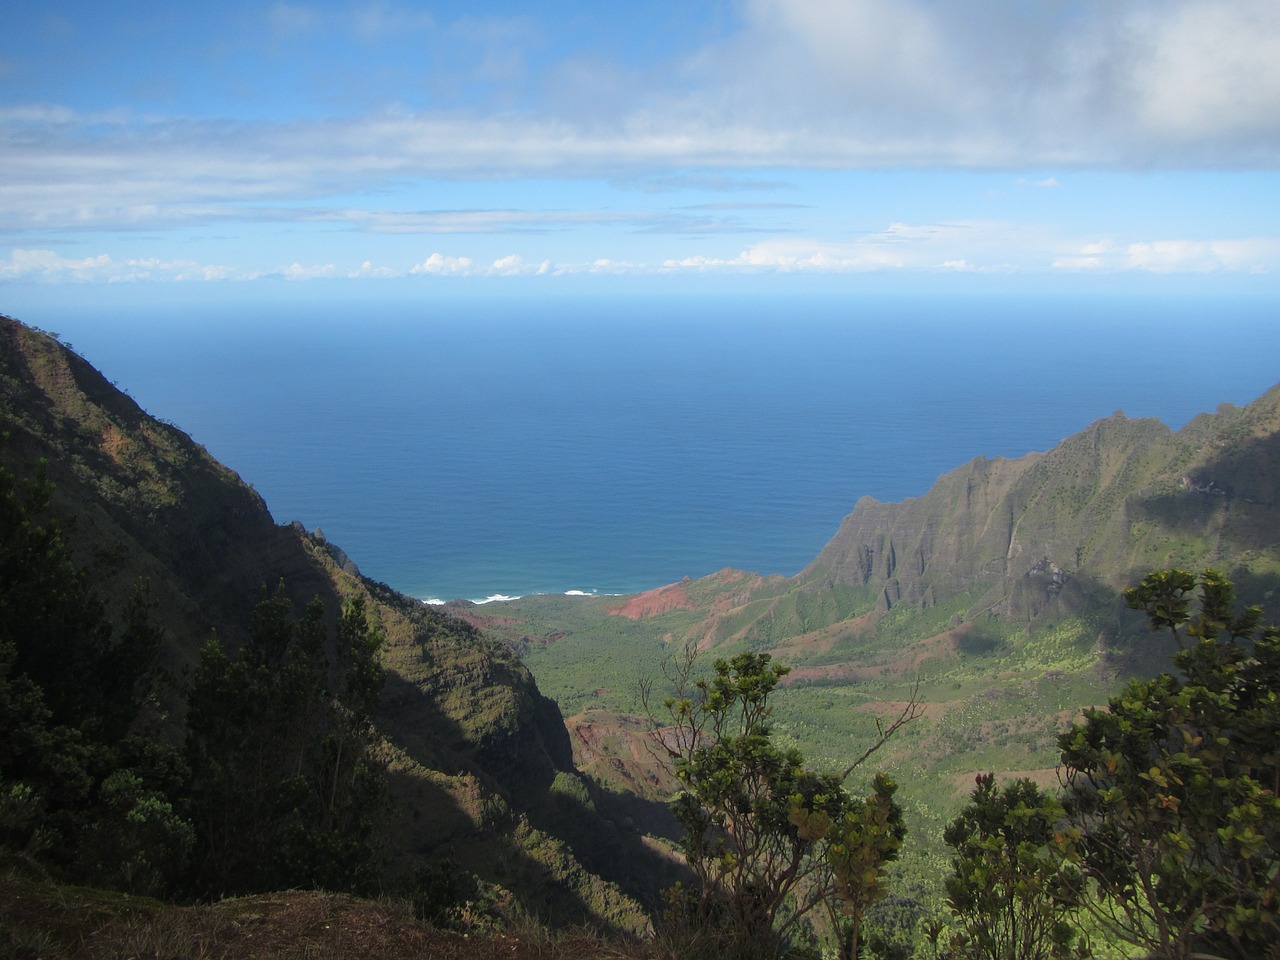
1165 838
1172 795
1012 888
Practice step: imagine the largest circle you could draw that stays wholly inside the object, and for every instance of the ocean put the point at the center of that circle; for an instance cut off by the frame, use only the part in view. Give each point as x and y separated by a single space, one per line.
480 448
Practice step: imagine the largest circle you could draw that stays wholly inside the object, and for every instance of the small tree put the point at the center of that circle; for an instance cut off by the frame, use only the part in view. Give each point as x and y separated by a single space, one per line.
769 841
1010 875
855 847
1172 791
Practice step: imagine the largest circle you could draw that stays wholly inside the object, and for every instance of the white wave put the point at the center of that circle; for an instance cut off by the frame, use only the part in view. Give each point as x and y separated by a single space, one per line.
493 598
502 597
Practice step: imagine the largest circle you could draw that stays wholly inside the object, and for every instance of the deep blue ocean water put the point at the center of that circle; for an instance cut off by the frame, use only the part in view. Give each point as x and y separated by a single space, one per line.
473 448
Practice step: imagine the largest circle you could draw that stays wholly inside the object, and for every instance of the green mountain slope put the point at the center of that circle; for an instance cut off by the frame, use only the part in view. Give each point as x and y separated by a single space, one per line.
481 762
1053 531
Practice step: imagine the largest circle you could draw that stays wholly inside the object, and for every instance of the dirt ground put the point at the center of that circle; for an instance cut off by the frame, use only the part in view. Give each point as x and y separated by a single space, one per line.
46 922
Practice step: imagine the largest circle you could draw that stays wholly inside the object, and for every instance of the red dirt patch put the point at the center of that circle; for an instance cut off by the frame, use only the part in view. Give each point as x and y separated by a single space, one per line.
620 750
653 603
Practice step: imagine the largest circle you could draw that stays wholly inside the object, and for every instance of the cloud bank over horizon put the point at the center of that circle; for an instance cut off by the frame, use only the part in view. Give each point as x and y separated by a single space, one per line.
149 144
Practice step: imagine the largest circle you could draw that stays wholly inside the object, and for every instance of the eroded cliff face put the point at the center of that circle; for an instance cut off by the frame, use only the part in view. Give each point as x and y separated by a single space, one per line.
1054 530
959 534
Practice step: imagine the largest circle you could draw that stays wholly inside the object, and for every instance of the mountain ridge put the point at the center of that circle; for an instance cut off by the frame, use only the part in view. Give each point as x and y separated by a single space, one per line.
1098 505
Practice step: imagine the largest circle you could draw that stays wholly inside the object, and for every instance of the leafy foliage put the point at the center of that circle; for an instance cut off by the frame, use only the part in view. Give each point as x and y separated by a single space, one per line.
1172 791
768 840
1011 875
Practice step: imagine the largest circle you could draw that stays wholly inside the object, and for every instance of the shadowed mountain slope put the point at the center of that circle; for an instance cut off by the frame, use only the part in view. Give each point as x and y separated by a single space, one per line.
481 762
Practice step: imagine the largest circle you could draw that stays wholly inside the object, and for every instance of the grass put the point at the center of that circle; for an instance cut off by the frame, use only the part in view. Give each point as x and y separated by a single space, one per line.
42 920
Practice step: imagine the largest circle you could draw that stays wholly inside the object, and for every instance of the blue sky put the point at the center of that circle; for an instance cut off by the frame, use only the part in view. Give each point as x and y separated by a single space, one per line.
393 146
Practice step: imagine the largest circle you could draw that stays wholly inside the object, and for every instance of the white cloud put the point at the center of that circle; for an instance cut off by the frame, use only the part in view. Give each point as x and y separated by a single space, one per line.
296 271
165 175
788 256
441 266
949 247
368 270
973 246
1257 255
604 265
924 247
467 221
1165 82
49 266
803 83
990 248
515 265
1209 70
869 52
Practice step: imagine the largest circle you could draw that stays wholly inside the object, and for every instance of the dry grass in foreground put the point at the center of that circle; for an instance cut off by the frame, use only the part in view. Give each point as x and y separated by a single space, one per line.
43 921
